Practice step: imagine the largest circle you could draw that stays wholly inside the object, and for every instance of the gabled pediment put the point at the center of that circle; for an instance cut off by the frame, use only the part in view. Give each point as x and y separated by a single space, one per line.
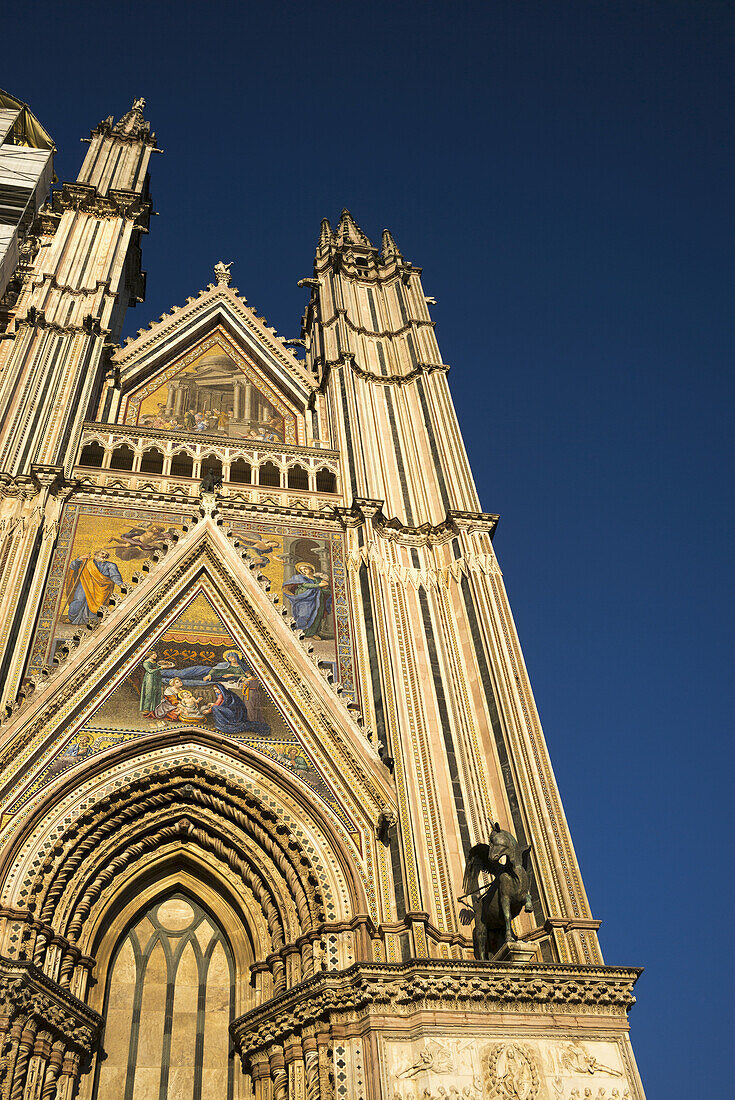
214 388
204 615
219 337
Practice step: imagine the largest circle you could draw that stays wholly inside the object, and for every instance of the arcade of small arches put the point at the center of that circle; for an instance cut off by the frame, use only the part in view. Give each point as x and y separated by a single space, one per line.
184 463
182 893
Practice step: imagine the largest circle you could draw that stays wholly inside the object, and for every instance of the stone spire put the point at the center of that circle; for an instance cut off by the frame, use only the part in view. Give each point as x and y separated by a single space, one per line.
389 246
68 315
349 232
132 124
326 236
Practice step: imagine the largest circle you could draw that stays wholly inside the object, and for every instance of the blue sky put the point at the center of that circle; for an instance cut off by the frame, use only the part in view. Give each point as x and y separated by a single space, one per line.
563 172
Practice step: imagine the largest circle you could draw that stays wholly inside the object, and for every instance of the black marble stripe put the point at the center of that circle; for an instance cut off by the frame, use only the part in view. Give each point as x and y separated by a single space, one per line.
397 868
21 608
500 744
348 433
41 409
438 469
398 451
401 303
373 314
18 370
368 619
76 396
441 700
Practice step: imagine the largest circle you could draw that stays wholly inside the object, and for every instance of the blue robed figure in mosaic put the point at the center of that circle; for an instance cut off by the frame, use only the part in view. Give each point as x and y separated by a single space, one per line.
310 598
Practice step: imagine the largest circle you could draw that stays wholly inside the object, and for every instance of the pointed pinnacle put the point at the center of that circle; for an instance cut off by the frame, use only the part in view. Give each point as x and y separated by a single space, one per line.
349 232
390 248
133 124
326 236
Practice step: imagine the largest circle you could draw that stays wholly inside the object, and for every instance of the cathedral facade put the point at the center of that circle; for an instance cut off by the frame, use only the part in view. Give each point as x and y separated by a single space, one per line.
278 817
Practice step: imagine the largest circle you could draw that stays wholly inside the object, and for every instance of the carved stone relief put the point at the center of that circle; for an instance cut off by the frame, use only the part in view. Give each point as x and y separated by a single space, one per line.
448 1068
433 1070
510 1073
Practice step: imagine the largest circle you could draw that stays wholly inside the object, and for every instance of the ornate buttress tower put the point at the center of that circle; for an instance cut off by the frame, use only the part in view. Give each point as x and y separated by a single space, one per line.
278 818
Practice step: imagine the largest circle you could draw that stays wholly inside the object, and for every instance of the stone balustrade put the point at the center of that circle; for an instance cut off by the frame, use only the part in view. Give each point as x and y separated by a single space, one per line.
176 462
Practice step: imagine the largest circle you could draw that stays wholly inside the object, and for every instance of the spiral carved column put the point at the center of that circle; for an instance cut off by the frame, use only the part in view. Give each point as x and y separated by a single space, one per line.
37 1066
27 1040
311 1063
279 1077
11 1050
52 1072
69 1077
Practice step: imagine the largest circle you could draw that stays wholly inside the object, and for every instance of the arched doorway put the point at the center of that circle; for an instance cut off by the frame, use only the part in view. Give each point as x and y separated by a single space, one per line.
169 1001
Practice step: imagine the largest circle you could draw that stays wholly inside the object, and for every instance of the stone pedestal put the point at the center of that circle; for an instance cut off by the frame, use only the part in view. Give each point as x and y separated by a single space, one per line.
517 952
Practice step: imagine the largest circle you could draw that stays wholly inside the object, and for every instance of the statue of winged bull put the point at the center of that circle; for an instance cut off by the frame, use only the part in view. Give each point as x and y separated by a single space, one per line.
495 905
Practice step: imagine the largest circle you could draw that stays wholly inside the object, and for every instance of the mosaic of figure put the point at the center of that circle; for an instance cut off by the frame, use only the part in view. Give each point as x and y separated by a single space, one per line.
293 757
307 566
211 396
151 691
140 541
90 583
223 693
99 547
310 598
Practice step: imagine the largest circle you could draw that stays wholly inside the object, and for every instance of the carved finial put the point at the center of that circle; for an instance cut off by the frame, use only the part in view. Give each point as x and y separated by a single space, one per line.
133 124
222 273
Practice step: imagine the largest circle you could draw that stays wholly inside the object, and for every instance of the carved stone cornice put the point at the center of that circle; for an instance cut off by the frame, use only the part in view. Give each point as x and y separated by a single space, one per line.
48 280
419 322
25 989
138 134
117 203
241 502
347 358
435 985
22 486
341 260
364 511
36 318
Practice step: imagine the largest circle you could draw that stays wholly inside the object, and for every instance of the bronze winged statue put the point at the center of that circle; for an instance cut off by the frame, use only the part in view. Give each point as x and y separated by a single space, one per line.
496 905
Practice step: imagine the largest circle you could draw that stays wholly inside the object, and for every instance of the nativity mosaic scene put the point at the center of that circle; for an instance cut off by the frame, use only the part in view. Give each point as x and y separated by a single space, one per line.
277 815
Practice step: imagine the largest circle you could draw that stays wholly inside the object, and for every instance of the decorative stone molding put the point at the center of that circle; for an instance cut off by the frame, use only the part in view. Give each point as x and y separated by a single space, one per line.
116 203
401 990
371 511
348 359
401 331
26 991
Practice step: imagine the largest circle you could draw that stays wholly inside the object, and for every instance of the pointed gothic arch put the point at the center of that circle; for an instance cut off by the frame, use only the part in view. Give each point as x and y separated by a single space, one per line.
140 825
169 1000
